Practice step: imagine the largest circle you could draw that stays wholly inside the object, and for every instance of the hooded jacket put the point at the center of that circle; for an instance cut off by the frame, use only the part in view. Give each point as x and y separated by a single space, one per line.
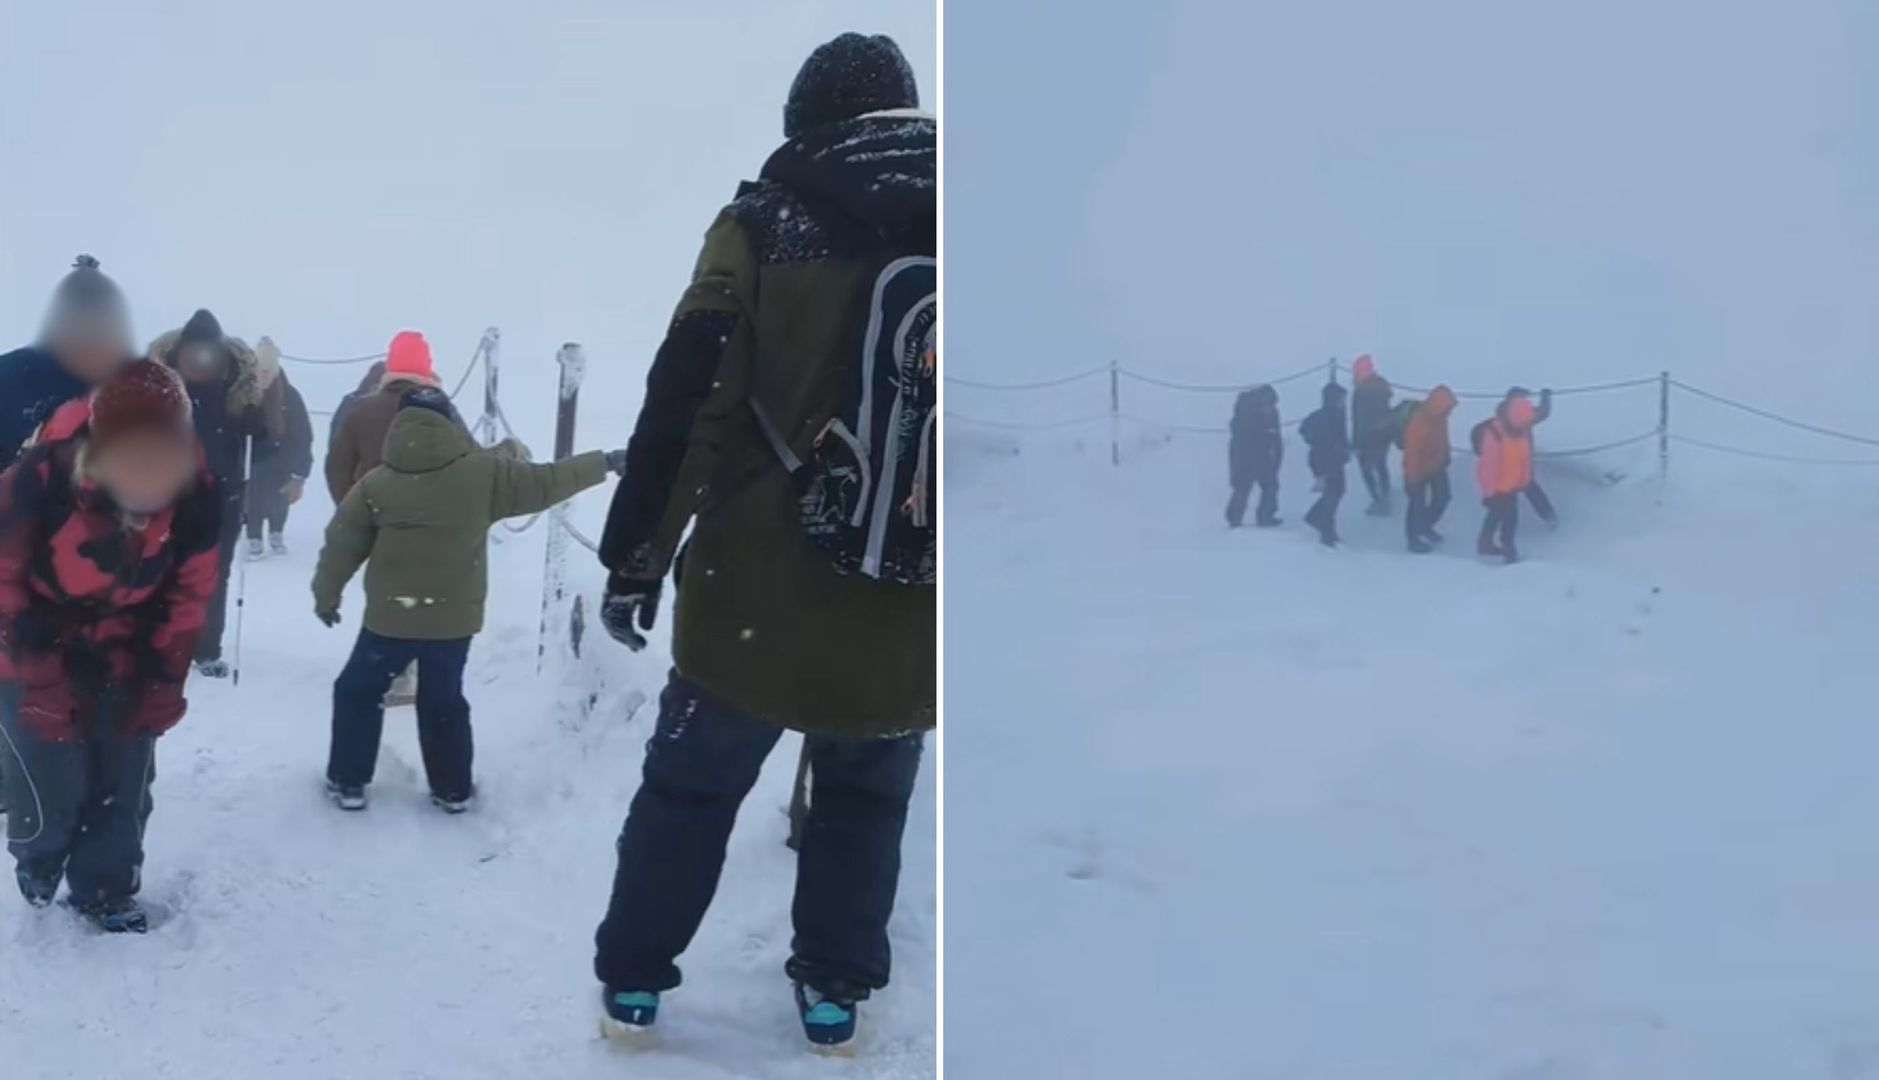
419 522
93 609
1425 437
247 403
292 454
1372 422
762 619
1324 433
1505 465
1255 447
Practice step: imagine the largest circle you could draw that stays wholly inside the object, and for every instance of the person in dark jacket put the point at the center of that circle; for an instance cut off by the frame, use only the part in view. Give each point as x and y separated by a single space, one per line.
767 625
281 466
1425 469
108 550
1329 442
1255 450
237 401
86 337
368 386
1373 429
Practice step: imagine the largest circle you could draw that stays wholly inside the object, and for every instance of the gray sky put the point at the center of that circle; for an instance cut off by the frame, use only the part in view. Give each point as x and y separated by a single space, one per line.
331 173
1478 191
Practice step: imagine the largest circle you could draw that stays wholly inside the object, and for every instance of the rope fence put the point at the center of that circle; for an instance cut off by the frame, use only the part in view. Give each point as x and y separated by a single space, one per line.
1332 370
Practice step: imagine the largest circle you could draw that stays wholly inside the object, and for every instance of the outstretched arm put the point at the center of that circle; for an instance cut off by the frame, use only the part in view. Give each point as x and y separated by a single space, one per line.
518 488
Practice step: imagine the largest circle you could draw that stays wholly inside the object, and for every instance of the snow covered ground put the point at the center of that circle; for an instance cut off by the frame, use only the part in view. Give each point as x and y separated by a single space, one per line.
401 943
1227 804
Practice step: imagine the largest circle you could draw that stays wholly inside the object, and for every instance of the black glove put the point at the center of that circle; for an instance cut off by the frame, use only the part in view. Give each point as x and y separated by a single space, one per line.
330 618
630 601
616 462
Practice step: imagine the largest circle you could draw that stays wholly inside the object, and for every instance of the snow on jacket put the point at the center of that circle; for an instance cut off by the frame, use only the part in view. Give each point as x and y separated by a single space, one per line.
1425 436
32 386
1255 447
420 522
358 446
1505 466
247 404
1325 434
97 607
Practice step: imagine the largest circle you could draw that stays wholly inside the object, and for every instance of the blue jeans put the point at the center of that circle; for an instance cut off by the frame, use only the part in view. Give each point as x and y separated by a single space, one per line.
78 807
443 713
700 763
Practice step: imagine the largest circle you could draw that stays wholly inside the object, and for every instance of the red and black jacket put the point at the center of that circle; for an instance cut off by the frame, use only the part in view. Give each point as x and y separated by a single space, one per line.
98 609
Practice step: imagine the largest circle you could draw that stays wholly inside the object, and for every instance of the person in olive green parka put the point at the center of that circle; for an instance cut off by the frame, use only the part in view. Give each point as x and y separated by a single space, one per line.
419 523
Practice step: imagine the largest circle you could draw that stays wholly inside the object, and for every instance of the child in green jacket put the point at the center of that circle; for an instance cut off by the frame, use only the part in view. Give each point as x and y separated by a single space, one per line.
419 523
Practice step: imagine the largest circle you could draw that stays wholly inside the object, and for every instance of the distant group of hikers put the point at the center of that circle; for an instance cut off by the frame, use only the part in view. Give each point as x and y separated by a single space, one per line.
804 567
1366 422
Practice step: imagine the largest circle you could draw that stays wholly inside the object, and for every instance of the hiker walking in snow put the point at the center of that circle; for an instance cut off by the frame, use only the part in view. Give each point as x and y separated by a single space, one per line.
358 442
1504 470
86 337
1329 444
419 523
806 600
1542 504
108 552
236 397
1372 430
1425 468
281 466
1255 450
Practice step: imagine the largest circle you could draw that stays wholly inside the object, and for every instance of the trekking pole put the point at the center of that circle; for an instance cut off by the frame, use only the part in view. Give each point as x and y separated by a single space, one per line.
241 578
1115 415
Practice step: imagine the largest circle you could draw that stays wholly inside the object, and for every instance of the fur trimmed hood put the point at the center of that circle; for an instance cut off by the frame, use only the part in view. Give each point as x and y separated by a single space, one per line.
255 372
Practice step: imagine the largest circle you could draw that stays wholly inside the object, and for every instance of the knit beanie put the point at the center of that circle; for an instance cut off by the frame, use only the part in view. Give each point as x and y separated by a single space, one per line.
847 77
143 396
409 356
86 294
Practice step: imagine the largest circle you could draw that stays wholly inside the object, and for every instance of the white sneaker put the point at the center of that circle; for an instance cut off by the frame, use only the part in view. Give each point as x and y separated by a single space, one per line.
255 550
277 544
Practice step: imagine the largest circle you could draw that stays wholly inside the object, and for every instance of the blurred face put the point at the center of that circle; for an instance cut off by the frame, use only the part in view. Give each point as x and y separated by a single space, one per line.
90 348
202 361
146 471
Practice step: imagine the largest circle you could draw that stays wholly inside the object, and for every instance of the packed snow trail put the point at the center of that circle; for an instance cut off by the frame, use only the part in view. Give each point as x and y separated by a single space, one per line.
1242 807
303 943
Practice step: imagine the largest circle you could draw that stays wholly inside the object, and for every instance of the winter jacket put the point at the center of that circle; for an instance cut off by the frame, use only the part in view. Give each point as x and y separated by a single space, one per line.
367 387
359 444
280 460
32 385
762 620
422 520
235 416
1255 447
1325 435
1425 437
92 608
1505 466
1373 424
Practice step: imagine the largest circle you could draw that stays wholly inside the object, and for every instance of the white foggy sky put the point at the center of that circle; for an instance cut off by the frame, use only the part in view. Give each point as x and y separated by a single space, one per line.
1478 191
331 173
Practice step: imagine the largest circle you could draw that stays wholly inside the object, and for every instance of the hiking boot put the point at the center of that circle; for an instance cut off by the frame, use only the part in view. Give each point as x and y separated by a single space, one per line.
1419 546
37 887
828 1023
1432 536
346 796
212 669
123 916
451 805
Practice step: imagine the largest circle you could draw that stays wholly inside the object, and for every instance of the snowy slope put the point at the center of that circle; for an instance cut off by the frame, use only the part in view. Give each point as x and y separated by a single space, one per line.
1243 807
401 943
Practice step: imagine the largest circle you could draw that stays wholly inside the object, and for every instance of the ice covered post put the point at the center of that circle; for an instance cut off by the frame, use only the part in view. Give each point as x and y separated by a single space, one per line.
1663 428
1115 414
489 428
573 364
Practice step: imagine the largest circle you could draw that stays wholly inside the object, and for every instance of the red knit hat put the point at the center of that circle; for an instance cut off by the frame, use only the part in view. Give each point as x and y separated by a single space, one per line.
410 355
143 396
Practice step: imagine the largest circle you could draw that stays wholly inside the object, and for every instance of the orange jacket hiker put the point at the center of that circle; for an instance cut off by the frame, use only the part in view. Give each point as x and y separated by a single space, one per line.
1425 437
1506 463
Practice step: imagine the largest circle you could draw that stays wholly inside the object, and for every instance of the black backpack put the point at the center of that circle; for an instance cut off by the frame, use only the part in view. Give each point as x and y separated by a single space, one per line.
868 494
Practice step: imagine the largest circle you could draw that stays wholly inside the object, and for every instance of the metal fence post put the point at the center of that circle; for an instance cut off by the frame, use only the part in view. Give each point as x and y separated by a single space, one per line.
1330 370
573 364
490 426
1115 414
